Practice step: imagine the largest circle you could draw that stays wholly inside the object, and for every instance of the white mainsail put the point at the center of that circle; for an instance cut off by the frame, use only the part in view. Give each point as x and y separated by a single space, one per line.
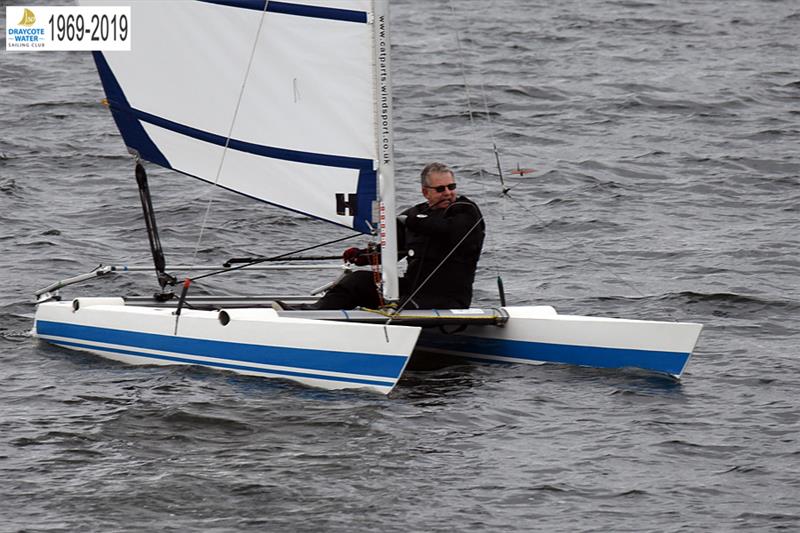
274 100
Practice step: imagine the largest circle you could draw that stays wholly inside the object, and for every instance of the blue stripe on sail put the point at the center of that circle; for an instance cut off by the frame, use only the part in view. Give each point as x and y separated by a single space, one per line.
126 116
367 178
129 120
367 192
594 356
287 8
366 364
131 129
284 154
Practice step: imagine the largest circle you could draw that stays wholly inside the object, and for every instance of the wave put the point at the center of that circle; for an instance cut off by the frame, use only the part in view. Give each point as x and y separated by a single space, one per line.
720 304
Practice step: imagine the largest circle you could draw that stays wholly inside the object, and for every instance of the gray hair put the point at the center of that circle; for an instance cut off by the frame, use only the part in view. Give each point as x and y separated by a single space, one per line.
430 168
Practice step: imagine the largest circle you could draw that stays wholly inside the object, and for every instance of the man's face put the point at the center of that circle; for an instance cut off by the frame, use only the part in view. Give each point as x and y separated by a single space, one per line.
437 199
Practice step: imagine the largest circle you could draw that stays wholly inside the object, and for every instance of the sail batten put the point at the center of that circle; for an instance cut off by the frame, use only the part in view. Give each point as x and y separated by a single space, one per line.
294 127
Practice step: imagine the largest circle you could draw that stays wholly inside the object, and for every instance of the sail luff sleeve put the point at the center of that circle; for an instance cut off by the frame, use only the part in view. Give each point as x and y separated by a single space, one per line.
385 148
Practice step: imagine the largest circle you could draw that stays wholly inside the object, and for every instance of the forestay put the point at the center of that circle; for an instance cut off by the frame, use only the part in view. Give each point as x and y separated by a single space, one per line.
274 100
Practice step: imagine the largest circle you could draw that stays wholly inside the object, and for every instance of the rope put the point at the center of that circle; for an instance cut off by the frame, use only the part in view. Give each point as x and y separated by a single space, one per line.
442 262
485 100
375 265
494 144
273 258
464 73
230 131
588 256
491 242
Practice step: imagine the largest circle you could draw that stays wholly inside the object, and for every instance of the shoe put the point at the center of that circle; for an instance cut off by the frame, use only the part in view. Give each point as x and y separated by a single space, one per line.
280 305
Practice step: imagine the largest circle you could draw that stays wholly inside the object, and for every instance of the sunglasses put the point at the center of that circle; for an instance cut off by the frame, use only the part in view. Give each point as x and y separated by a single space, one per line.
441 188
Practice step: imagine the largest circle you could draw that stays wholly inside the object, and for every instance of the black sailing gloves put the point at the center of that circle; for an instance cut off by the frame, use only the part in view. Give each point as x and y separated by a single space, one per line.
362 256
357 256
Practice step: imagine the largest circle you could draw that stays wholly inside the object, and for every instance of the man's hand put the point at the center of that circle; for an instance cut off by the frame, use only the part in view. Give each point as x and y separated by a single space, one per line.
355 256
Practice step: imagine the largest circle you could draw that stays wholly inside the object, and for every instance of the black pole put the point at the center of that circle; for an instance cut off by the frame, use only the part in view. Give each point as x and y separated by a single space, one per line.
502 291
236 260
160 263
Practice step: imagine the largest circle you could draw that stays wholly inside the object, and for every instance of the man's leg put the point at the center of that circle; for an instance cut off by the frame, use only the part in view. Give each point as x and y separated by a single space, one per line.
356 289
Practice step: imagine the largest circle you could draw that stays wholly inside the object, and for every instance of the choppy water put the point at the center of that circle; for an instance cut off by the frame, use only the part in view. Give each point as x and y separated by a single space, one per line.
665 137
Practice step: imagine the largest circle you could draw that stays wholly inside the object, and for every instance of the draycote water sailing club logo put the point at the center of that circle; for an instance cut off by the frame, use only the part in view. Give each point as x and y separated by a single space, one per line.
24 35
68 28
28 18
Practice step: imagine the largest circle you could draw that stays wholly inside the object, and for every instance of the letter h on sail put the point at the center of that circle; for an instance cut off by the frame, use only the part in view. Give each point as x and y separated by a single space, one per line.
347 207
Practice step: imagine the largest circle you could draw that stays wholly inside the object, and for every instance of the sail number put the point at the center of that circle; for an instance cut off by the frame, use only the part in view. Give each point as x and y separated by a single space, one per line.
97 28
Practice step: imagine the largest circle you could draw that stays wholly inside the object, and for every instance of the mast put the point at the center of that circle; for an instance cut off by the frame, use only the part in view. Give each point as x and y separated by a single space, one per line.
387 210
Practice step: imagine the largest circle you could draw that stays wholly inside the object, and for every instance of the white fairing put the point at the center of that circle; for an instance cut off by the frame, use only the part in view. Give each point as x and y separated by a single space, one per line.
298 119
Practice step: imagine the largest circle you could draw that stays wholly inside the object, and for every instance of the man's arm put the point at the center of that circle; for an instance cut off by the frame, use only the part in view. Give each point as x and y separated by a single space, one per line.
456 221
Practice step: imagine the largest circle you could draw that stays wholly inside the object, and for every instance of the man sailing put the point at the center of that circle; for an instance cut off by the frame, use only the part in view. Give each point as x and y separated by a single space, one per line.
441 238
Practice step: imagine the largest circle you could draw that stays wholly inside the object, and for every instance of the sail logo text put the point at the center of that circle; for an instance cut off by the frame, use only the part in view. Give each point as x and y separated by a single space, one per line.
29 35
385 101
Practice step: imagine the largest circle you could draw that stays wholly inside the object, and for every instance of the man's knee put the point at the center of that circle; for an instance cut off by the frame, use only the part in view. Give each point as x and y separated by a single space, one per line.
356 289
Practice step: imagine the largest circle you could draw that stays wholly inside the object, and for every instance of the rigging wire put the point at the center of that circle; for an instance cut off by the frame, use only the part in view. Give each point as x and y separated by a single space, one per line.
464 77
592 260
484 99
463 69
230 129
442 262
577 246
491 242
275 257
506 189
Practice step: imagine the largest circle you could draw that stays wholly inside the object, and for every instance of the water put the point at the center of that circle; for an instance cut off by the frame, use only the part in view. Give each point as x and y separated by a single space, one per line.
664 137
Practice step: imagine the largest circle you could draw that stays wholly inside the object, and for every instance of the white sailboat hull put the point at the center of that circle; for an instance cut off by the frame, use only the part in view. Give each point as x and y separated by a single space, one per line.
335 353
537 334
255 341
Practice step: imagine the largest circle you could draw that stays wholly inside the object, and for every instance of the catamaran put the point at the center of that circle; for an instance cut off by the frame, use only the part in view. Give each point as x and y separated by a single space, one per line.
252 94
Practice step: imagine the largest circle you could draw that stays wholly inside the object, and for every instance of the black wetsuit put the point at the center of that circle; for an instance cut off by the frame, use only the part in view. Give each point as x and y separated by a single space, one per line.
426 238
429 236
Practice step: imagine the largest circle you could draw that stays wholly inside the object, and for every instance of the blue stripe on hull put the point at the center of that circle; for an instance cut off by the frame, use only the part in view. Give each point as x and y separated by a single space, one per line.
369 365
594 356
227 366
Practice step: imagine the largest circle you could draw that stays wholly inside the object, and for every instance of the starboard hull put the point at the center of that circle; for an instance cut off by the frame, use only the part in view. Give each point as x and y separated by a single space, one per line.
329 355
535 335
